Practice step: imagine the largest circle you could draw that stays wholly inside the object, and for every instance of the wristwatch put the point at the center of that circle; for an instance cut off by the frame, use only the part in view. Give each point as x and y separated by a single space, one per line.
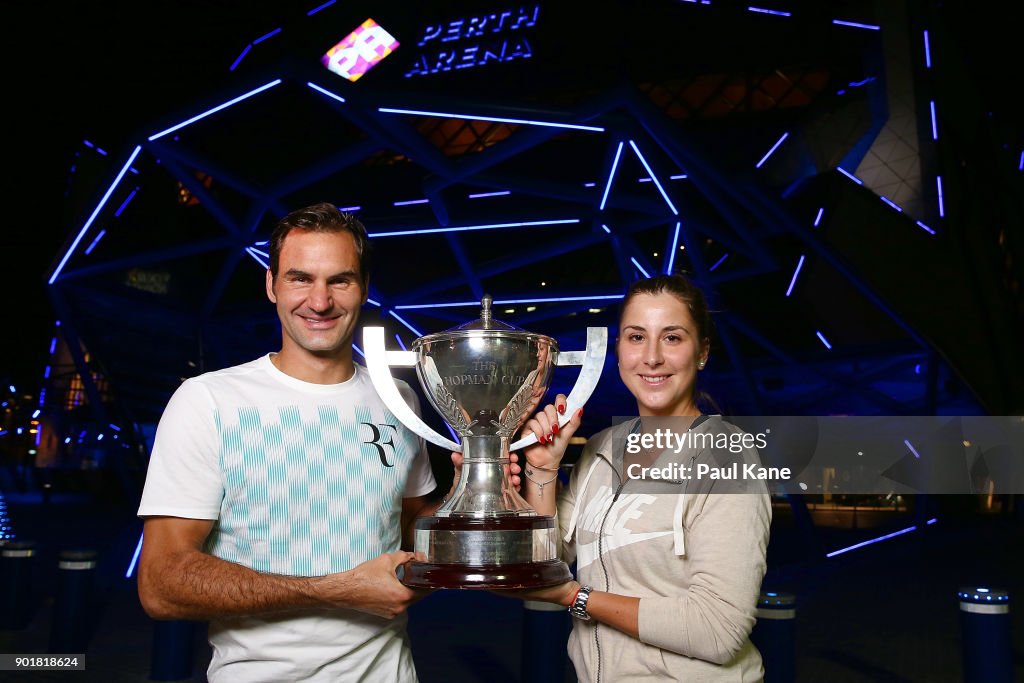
579 606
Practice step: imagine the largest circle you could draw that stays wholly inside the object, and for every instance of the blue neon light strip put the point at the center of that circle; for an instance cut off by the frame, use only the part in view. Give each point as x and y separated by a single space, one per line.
355 347
672 250
53 345
481 195
239 58
251 252
121 208
912 449
350 208
323 6
824 341
372 302
849 175
762 10
774 147
261 253
216 109
606 228
854 24
925 227
873 540
643 180
589 184
927 51
932 520
503 302
942 207
857 84
817 219
265 37
718 262
410 202
405 322
401 343
681 176
325 91
639 267
891 203
35 413
92 217
661 189
935 125
792 282
135 559
88 250
46 372
611 176
1020 164
465 228
495 119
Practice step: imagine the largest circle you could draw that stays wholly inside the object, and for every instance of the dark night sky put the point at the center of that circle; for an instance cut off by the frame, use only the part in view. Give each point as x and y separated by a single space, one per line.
99 70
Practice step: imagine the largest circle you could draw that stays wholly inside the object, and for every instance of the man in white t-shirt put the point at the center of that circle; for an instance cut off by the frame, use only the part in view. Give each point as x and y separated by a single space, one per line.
278 490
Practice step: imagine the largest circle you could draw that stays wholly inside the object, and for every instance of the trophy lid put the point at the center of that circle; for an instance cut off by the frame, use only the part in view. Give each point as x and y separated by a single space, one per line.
486 321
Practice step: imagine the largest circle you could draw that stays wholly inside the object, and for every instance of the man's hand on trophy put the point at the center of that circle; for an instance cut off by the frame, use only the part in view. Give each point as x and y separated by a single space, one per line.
552 440
512 472
372 587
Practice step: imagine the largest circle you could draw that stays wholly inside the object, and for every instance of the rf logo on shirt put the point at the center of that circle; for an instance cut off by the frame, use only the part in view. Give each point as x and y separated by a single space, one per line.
380 431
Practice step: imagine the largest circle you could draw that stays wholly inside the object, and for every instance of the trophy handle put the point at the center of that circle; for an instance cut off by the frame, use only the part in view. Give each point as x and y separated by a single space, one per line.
592 360
378 362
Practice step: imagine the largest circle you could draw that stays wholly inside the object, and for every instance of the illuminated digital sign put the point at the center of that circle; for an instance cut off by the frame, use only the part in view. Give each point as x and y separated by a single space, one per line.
360 51
474 41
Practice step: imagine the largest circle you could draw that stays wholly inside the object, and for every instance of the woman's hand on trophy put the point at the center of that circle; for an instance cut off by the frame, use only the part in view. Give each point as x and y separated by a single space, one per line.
552 440
562 594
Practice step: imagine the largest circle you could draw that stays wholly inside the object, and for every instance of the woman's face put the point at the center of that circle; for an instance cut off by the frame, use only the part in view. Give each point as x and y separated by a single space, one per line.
659 351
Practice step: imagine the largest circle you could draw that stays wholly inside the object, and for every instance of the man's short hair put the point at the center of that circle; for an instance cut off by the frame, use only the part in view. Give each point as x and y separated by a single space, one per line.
322 217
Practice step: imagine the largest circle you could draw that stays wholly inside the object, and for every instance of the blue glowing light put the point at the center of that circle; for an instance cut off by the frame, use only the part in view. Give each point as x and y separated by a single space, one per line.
718 262
11 387
53 345
942 207
849 175
909 445
643 180
92 217
654 178
891 203
854 24
372 302
762 10
240 57
817 219
925 228
824 341
927 51
611 176
95 241
464 228
35 414
401 343
405 322
935 125
261 253
355 347
325 91
121 208
672 250
502 302
873 540
410 202
932 520
350 209
639 267
323 6
589 184
216 109
792 282
494 119
114 427
606 228
135 559
917 369
267 36
252 252
481 195
774 147
681 176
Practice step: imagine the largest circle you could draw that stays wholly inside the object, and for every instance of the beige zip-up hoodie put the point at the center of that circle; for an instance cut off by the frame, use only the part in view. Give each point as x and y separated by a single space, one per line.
694 555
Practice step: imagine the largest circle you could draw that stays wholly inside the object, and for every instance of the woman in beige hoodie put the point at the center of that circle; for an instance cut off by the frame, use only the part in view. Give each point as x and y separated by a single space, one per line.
668 568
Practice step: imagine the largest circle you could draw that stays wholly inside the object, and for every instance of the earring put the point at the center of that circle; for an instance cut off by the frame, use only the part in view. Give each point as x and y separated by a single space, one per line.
700 366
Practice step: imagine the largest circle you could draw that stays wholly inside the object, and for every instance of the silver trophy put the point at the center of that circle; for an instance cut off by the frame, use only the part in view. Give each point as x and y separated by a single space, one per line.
485 378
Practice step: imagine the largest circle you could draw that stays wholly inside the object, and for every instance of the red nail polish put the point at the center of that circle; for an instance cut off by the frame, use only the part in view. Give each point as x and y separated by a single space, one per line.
561 409
540 439
551 438
554 428
579 413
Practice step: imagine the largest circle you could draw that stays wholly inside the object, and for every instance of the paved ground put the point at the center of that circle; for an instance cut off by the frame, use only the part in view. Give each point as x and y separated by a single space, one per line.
883 613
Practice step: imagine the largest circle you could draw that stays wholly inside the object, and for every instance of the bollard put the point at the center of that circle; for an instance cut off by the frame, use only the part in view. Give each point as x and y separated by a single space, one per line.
71 626
171 658
774 635
546 629
985 630
16 561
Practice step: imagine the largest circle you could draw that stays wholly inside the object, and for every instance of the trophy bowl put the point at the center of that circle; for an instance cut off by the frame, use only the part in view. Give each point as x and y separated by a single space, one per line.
485 378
